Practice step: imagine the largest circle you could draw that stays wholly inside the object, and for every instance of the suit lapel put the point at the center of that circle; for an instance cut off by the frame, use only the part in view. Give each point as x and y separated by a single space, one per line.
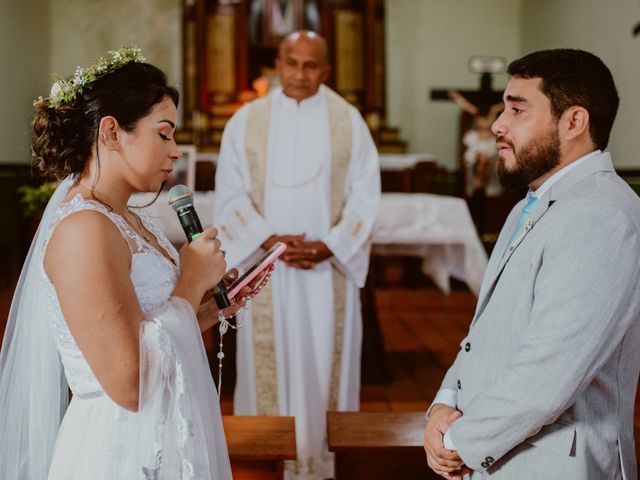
502 252
506 251
541 208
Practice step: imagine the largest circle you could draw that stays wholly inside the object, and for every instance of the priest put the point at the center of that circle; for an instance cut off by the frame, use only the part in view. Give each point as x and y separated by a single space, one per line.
300 167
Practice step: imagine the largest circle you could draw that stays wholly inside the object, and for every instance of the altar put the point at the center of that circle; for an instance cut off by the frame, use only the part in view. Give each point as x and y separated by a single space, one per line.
436 228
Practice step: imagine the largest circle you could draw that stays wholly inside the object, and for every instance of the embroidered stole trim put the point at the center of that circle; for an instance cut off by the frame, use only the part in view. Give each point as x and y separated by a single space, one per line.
256 144
341 141
264 349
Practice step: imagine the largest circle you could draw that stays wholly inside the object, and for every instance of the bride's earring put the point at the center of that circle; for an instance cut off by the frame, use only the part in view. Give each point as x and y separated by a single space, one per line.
105 140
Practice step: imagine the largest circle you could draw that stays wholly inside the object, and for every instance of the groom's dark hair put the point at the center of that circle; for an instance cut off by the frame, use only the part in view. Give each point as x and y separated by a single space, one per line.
574 77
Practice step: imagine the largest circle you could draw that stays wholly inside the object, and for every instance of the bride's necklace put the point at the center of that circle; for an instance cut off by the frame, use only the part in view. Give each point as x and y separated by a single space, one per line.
142 231
139 228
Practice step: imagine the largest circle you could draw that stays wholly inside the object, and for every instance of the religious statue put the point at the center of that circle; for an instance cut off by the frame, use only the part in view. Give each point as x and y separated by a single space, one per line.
480 153
272 20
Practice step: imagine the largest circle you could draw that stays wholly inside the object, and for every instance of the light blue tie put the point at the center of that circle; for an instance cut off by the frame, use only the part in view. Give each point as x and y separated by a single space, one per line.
532 200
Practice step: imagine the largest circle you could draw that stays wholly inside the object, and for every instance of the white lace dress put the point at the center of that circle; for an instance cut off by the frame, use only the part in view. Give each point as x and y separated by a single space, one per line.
177 432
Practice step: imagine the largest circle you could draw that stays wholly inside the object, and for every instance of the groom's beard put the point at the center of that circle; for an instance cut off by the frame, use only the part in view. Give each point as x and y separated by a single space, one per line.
533 160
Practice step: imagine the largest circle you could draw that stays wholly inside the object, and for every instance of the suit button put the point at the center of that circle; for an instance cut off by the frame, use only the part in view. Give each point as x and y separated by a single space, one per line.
489 459
485 465
467 347
459 385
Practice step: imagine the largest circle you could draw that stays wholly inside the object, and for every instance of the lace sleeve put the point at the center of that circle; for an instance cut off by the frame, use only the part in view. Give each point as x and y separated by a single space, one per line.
178 425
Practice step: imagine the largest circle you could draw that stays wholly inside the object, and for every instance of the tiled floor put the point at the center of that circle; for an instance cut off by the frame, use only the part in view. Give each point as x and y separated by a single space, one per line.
421 330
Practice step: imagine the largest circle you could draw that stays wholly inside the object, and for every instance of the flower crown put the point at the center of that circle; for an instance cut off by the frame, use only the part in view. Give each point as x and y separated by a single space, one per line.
66 90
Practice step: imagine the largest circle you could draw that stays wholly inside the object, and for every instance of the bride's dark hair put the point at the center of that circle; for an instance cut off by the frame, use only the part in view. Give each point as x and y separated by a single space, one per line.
63 137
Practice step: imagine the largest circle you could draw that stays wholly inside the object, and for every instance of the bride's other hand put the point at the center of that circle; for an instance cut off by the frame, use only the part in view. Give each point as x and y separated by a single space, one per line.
208 312
256 285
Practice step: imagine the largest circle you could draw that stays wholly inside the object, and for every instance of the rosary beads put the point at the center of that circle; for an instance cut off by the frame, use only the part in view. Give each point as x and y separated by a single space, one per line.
225 322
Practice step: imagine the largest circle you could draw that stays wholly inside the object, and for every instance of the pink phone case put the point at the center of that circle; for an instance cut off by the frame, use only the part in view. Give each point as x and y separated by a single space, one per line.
263 262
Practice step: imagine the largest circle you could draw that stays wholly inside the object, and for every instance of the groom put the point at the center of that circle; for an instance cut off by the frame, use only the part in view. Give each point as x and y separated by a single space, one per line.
544 384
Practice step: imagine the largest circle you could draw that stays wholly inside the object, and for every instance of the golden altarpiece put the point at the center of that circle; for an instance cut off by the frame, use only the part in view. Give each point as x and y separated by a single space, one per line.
229 48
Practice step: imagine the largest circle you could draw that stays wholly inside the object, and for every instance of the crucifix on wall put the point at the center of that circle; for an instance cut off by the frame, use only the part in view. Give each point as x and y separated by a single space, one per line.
480 108
485 96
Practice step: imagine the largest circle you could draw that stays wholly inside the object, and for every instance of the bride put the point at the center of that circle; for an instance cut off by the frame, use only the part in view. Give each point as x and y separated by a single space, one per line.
104 305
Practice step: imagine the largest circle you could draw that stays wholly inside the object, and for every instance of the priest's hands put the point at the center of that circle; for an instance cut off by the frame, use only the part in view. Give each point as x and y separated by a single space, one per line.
288 240
300 254
306 255
444 462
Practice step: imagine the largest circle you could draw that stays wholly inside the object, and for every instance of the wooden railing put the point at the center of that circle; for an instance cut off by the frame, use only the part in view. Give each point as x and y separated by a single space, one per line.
258 446
384 446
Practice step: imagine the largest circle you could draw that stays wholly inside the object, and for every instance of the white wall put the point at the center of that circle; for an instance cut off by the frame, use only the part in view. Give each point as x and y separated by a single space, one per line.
42 37
429 42
24 57
428 46
603 28
84 30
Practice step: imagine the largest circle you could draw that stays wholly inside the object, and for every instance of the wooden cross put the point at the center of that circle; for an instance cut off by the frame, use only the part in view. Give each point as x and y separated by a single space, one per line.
485 96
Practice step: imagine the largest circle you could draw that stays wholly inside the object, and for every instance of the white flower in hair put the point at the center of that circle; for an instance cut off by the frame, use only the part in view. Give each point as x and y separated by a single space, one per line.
66 90
78 77
56 88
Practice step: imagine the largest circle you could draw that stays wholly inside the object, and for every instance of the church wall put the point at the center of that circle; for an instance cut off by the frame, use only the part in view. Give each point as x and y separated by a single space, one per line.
603 28
24 58
41 37
83 30
428 46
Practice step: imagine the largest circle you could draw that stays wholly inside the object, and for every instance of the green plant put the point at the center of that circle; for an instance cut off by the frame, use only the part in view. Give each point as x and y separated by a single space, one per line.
34 199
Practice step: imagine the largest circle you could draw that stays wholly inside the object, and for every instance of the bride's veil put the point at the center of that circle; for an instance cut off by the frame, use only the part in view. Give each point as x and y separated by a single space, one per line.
33 389
177 429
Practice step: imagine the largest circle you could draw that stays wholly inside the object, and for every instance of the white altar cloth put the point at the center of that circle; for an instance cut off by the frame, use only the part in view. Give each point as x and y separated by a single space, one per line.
436 228
401 161
388 161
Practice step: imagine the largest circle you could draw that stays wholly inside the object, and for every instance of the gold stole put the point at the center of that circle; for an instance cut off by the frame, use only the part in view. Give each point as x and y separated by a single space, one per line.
256 142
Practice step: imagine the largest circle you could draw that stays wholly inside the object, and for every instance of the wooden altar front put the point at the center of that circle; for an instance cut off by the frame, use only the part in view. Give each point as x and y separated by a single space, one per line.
229 49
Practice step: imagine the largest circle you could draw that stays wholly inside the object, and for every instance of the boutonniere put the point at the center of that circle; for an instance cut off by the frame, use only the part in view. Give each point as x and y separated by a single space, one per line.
528 225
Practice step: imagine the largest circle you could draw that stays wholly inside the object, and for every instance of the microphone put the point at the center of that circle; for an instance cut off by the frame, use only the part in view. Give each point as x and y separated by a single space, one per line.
181 200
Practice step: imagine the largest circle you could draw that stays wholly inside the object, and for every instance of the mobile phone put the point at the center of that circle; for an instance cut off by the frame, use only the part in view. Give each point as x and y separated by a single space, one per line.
254 270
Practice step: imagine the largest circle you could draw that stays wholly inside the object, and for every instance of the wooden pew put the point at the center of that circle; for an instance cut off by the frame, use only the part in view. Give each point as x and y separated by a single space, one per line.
258 446
380 446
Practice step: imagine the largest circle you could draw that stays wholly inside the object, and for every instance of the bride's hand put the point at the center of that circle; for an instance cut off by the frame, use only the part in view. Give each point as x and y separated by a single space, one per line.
209 312
257 284
240 299
202 266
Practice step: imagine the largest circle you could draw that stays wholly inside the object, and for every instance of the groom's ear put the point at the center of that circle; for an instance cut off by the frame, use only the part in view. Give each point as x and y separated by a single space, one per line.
574 123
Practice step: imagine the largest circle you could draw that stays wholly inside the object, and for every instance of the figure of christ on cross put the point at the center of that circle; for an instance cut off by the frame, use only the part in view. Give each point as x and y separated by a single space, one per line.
483 106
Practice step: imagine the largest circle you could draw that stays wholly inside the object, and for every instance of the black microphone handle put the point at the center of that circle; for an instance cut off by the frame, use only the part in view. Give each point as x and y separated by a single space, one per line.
192 229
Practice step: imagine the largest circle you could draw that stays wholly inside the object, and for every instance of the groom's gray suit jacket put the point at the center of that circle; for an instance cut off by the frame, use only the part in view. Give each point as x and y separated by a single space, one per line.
546 377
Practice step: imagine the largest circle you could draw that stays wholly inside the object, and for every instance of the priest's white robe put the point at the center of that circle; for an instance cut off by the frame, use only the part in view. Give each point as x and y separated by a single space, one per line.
316 364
